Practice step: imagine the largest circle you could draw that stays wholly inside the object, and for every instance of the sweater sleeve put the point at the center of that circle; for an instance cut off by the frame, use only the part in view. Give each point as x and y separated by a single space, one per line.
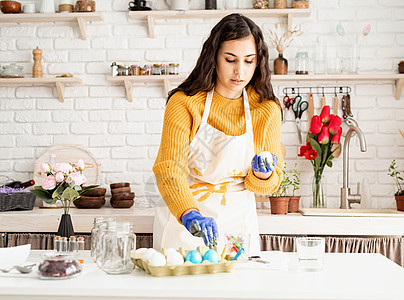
171 165
267 137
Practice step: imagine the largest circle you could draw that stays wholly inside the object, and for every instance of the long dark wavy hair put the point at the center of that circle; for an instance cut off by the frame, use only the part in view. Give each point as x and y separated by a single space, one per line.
203 76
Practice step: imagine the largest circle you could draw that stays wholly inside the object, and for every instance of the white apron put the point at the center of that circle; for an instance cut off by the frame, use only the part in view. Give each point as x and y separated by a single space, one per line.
218 164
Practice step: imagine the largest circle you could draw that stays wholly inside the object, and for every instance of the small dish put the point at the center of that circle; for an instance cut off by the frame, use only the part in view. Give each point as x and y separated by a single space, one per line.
89 202
10 7
120 190
58 266
123 196
122 203
119 185
97 192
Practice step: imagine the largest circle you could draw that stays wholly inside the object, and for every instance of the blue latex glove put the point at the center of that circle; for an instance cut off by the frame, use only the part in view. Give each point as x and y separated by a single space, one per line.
201 226
261 163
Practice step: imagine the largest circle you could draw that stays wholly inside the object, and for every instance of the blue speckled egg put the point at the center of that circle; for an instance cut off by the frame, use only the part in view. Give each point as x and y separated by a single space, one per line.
194 257
212 256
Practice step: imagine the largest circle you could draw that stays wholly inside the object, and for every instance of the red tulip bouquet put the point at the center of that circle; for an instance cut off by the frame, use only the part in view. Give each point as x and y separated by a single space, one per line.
323 140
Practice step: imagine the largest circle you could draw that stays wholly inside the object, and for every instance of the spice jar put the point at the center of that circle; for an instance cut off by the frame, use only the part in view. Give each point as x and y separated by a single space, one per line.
114 69
156 69
261 4
302 63
123 70
300 4
173 68
117 244
147 70
164 69
135 70
58 266
279 4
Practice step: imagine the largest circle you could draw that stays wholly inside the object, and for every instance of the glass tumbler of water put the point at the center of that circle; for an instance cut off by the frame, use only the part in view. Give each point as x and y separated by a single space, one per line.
310 252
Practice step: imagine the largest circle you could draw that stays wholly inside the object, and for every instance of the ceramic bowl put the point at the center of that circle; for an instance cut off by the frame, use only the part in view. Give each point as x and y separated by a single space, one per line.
119 185
122 203
89 202
120 190
123 196
97 192
10 7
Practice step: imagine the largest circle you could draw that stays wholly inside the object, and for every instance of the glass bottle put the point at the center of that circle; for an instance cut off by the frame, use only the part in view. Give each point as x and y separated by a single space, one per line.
63 244
80 248
302 63
56 243
280 65
117 244
147 70
319 185
72 243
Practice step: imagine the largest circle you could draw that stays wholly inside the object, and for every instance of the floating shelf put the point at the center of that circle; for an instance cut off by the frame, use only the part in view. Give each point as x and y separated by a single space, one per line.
80 18
150 16
129 80
397 78
59 82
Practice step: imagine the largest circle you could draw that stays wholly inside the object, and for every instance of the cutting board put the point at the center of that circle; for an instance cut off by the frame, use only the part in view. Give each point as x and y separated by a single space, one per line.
63 154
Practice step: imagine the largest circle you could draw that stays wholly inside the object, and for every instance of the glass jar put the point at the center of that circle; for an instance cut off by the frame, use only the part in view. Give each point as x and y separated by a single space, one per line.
173 68
261 4
156 69
12 71
300 4
302 63
117 244
58 266
96 230
135 70
280 4
123 70
147 70
164 69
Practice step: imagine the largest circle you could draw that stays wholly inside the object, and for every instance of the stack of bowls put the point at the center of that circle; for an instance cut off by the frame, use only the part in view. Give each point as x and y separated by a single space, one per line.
94 198
121 195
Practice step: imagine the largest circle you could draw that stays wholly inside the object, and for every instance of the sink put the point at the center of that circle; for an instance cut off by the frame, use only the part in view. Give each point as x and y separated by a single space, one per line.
353 212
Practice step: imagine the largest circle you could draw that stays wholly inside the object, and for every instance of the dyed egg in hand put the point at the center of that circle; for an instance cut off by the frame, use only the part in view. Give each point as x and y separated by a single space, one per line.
212 256
157 260
194 257
175 258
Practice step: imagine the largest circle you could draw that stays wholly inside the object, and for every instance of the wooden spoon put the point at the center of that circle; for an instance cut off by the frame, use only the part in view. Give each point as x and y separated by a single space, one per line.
402 133
337 152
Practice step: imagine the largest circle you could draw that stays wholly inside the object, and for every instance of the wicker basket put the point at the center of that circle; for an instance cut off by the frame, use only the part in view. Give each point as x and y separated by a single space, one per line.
17 201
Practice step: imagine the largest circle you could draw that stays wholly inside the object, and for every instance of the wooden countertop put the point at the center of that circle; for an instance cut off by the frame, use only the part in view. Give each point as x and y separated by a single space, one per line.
47 220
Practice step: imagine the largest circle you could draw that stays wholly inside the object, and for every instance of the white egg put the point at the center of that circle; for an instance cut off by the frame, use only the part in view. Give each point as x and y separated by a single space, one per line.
157 260
175 258
148 254
169 250
141 250
266 155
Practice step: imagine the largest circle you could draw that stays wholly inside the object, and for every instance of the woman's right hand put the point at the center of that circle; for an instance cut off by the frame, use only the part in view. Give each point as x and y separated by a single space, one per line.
263 164
201 226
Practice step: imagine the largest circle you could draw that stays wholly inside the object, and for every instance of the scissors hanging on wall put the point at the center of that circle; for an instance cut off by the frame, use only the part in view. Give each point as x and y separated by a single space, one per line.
299 107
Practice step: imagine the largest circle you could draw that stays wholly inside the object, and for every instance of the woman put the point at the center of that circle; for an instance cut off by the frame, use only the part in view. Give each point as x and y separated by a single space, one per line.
215 123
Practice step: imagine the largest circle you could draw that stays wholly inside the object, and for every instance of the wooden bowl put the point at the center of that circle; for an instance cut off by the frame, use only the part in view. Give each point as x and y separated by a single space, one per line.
123 196
97 192
10 7
122 203
120 190
89 202
119 185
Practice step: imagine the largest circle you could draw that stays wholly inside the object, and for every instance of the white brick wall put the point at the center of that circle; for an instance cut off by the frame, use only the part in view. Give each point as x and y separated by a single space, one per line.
125 136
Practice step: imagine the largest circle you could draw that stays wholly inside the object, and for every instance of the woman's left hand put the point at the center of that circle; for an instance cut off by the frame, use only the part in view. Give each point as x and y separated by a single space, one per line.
263 164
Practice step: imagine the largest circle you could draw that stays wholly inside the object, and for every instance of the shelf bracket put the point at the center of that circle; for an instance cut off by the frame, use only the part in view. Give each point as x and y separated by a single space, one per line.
150 26
399 87
60 86
82 26
128 88
290 17
167 86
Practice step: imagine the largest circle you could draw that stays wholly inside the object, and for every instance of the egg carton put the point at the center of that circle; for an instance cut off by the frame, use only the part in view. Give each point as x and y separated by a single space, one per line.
188 268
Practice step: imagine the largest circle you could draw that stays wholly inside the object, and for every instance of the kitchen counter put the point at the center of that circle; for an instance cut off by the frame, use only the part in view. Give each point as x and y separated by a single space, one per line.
47 220
345 276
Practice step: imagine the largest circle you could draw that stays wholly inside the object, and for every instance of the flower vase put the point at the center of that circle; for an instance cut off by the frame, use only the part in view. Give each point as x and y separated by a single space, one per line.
318 183
65 226
280 65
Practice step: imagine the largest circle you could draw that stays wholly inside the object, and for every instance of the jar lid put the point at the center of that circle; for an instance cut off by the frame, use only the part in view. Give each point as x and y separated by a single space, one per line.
156 65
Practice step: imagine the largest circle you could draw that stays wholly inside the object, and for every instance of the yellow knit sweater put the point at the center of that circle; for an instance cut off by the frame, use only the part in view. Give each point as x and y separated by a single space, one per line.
182 118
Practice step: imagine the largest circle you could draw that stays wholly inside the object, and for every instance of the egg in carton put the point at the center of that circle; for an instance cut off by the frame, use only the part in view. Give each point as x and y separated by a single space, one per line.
152 262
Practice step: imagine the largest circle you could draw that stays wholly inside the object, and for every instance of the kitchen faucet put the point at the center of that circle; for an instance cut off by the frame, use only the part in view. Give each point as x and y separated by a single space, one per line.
346 196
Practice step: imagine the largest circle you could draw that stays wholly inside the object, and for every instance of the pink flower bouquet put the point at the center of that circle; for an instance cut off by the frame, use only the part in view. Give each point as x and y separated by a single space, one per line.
64 182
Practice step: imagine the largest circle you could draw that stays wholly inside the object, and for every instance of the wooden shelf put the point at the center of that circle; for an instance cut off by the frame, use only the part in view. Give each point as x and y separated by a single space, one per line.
150 16
397 78
59 82
80 18
129 80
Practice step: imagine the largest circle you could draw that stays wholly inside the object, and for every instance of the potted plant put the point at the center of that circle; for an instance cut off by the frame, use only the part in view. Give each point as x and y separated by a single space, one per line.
281 201
295 183
399 194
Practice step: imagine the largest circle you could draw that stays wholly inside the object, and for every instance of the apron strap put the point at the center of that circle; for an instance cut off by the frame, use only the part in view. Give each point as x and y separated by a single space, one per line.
248 120
208 104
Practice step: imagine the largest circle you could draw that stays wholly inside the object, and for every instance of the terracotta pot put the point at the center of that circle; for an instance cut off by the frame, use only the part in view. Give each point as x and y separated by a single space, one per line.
400 202
294 204
279 205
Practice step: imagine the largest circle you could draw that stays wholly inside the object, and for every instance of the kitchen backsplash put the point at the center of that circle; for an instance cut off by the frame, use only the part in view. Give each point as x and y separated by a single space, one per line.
125 136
